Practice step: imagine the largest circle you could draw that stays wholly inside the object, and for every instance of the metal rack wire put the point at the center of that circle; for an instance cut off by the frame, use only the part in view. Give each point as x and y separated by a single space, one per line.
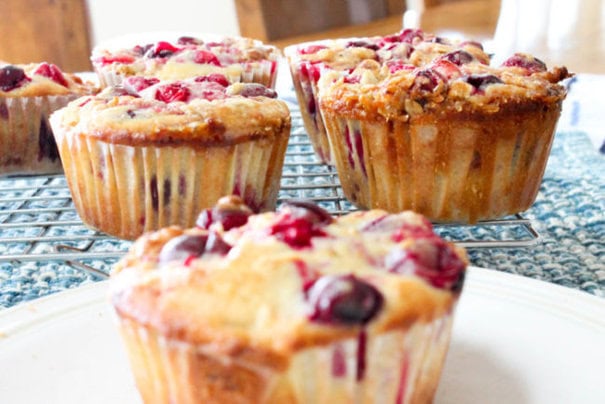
38 221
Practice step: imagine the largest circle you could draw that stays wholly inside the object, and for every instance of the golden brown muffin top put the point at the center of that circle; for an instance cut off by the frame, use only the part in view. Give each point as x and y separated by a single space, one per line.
39 79
263 286
199 111
186 57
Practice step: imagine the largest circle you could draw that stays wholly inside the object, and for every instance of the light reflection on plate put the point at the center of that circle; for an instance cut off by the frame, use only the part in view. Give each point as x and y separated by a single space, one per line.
515 340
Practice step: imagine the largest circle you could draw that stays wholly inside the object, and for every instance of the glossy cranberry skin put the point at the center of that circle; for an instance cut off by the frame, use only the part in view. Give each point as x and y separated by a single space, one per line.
427 80
12 77
481 81
304 209
458 57
228 218
183 247
408 35
52 72
172 92
162 50
213 78
431 259
343 300
257 90
205 57
138 83
532 64
446 69
362 44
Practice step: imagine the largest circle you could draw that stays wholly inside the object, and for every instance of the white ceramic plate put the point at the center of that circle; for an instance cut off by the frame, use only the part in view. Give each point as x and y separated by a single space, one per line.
515 340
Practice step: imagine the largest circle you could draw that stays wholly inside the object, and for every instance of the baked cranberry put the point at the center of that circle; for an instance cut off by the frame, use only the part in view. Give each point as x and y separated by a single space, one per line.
471 43
303 209
12 77
308 50
296 232
458 57
525 61
107 60
408 35
440 40
360 43
138 83
446 68
118 91
229 215
183 247
216 244
397 65
172 92
481 81
52 72
431 259
188 40
257 90
310 71
214 78
351 79
427 80
205 57
162 49
343 300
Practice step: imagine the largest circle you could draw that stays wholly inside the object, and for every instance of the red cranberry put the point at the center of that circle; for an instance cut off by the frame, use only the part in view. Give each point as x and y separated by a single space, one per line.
351 79
397 65
183 247
302 209
162 50
214 78
427 80
310 71
344 299
205 57
481 81
311 49
188 40
446 68
525 61
362 44
440 40
407 35
12 77
257 90
172 92
107 60
229 217
431 259
216 244
52 72
296 232
138 83
458 57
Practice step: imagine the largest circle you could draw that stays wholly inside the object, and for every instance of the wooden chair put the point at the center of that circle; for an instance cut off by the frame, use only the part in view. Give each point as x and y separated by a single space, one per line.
53 31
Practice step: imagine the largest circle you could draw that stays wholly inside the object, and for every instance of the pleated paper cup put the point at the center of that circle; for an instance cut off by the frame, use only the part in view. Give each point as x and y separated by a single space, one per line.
127 190
402 366
27 145
450 167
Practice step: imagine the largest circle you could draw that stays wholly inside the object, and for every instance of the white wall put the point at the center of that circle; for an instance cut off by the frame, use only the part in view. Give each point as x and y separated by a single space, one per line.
114 18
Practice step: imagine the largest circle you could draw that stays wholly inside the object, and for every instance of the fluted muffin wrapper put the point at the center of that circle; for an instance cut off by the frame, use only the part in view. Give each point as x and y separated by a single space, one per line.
27 145
450 168
402 366
307 95
128 190
261 71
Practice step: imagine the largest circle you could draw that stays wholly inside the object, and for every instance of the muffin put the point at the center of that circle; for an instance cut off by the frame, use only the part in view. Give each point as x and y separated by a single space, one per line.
443 133
154 153
28 95
289 307
238 59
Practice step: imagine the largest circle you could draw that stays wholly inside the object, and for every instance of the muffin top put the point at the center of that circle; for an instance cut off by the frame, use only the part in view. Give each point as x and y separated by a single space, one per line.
187 57
203 110
412 72
285 280
39 79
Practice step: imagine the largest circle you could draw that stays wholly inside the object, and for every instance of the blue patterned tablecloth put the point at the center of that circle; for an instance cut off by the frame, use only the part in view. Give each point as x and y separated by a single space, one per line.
569 215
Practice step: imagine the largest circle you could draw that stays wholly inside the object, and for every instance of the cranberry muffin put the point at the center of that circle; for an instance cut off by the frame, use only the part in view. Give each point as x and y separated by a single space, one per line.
292 306
238 59
28 95
442 132
154 153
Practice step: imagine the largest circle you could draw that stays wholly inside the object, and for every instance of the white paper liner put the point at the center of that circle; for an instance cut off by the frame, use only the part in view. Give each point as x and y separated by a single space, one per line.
401 367
450 170
26 140
125 190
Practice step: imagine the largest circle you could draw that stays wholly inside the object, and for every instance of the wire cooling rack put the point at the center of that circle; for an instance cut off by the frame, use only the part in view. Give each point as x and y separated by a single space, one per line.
38 221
